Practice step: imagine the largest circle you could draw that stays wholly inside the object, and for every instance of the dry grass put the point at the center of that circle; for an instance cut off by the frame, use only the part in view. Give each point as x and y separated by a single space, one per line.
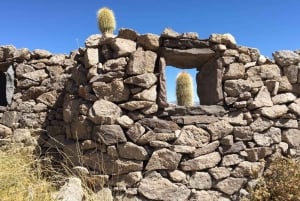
281 182
21 178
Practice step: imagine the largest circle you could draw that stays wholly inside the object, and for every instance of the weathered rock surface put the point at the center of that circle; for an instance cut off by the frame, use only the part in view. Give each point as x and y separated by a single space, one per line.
201 162
193 136
130 150
286 57
230 185
109 134
141 62
163 188
104 112
219 129
163 159
200 180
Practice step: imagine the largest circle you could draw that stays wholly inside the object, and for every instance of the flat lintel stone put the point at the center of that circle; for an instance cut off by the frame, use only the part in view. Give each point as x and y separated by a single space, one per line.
189 58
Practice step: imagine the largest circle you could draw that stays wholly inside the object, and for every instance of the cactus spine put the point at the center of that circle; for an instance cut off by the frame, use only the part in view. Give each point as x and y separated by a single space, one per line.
106 20
184 89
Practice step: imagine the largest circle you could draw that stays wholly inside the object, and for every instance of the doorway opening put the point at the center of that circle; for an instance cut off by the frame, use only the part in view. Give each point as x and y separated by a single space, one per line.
171 75
3 99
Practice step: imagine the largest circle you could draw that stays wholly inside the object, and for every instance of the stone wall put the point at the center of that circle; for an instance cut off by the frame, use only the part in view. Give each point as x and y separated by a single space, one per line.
105 106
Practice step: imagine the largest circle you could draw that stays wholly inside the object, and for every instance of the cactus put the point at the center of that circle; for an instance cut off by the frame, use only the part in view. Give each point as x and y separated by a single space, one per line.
184 89
106 20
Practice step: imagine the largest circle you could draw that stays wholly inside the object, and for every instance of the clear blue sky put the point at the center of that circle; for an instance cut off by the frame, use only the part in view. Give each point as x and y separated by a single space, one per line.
57 25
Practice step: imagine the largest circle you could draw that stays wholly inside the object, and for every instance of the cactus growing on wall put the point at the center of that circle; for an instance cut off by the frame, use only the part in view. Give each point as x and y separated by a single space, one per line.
106 20
184 89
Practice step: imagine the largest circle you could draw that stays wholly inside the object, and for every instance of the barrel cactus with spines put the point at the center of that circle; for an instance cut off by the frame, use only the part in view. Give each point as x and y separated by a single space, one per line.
106 20
184 89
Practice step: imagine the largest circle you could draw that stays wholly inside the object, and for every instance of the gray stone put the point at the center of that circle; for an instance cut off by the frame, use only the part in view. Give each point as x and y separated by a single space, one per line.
163 188
126 180
151 136
209 148
184 149
5 131
48 98
57 59
235 148
145 80
230 185
248 169
38 53
234 71
136 105
244 58
93 40
200 180
162 92
37 76
261 124
169 33
130 150
107 77
209 82
286 57
226 39
219 129
292 137
283 98
227 140
10 118
125 121
197 119
292 73
147 94
135 132
228 60
70 191
177 176
193 136
160 144
104 112
284 84
286 123
232 159
257 153
295 108
188 58
122 47
115 65
148 41
129 34
159 124
243 133
109 134
274 112
91 57
219 172
109 165
163 159
201 162
262 99
22 69
22 54
236 87
115 91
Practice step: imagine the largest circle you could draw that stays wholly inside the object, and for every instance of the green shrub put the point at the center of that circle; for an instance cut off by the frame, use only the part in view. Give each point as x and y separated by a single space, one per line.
280 182
184 89
106 20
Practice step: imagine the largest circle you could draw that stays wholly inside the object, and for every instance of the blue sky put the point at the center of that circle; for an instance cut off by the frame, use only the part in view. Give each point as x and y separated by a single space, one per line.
60 25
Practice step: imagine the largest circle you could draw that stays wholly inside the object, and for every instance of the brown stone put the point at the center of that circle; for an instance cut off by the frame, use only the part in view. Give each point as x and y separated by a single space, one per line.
109 134
163 159
104 112
230 185
193 136
130 150
201 162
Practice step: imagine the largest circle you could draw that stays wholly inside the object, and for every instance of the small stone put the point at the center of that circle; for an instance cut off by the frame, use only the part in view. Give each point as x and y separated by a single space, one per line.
104 112
163 159
274 112
141 62
135 132
200 180
226 39
286 57
125 121
122 47
209 148
148 41
130 150
145 80
201 162
230 185
219 172
232 159
283 98
177 176
219 129
193 136
292 137
109 134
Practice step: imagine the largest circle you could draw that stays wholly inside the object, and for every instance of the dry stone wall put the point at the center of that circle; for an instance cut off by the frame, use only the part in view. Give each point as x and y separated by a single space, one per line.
105 106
